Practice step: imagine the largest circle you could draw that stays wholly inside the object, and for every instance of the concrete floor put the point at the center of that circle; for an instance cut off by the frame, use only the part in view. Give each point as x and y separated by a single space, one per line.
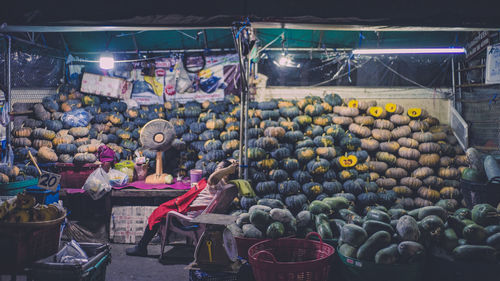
125 268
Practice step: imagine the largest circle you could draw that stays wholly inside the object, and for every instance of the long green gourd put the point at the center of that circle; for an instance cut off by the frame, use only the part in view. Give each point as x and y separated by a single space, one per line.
492 169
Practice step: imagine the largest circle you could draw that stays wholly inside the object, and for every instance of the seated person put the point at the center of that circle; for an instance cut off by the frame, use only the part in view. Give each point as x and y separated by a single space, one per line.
192 203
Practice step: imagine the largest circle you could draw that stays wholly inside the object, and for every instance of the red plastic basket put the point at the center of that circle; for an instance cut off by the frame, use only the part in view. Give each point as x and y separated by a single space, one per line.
244 243
291 259
74 176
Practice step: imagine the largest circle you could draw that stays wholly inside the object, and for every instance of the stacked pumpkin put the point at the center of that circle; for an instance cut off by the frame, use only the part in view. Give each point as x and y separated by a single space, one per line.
413 159
291 150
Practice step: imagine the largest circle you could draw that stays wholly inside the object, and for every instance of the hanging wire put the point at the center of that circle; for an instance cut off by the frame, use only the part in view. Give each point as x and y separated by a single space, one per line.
337 75
409 80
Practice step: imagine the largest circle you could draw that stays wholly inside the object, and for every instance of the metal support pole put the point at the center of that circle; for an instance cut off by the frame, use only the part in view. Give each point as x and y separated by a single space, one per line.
453 82
245 133
459 88
243 62
9 96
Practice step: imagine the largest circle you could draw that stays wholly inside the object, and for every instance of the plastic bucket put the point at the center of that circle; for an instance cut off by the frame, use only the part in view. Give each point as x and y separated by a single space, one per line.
195 175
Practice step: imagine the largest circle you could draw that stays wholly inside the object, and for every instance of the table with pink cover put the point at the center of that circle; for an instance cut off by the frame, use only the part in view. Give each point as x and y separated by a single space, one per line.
141 189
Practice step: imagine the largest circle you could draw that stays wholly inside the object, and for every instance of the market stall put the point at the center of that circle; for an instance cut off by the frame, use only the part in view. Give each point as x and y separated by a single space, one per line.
360 140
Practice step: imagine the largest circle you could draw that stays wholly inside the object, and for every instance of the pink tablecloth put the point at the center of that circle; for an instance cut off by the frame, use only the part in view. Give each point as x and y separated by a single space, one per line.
144 185
140 185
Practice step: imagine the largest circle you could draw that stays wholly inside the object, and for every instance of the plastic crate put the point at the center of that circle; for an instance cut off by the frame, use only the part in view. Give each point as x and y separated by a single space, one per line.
24 243
13 188
74 176
94 270
477 193
44 196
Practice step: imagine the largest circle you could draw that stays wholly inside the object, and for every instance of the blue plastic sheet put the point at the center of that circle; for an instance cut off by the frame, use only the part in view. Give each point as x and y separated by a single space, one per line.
76 118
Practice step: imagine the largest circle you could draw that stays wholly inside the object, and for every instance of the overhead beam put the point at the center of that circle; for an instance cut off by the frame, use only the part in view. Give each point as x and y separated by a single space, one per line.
355 27
48 28
257 25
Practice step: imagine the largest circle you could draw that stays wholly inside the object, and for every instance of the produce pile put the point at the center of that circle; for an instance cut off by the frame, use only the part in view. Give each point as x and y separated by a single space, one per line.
383 236
316 148
69 127
23 208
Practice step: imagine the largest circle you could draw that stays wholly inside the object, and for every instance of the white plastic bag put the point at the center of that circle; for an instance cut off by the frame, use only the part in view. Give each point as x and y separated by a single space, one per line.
72 253
97 184
117 178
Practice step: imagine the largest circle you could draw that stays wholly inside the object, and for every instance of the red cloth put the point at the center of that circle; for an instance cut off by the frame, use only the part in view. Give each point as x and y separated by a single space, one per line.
179 204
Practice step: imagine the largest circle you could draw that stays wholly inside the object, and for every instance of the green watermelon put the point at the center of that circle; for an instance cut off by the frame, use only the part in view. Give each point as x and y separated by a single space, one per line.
471 175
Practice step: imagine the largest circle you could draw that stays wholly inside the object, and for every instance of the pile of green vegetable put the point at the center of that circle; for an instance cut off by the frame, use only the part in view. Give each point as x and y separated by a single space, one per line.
382 235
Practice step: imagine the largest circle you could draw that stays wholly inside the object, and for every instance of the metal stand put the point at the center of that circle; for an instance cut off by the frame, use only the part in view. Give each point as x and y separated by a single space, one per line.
238 31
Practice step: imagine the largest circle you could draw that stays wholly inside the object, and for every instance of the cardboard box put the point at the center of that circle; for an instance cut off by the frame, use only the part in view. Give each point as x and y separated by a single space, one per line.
128 223
112 87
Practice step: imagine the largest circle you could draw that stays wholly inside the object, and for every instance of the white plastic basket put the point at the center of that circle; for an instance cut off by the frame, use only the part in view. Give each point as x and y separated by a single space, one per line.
460 128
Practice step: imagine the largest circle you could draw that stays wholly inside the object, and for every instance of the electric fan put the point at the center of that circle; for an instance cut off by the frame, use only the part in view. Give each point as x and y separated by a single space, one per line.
157 135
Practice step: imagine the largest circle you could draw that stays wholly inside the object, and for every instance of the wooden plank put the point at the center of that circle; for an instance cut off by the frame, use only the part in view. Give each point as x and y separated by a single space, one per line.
476 85
472 68
148 193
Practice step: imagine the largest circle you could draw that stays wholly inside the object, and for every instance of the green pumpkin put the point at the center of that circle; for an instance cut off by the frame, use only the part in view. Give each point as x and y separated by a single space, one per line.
212 144
303 120
305 154
290 164
266 187
314 109
256 153
312 189
267 164
350 142
278 175
335 131
318 166
290 187
230 146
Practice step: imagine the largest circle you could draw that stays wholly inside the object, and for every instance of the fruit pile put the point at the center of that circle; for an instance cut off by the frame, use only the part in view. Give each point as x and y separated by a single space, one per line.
23 208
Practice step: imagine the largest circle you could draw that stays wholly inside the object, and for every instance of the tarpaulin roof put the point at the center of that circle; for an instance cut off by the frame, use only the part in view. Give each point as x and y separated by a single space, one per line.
427 13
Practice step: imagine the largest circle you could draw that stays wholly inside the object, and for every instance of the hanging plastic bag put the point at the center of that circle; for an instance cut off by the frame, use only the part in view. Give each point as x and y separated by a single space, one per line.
117 178
4 118
97 184
182 81
76 118
72 253
8 156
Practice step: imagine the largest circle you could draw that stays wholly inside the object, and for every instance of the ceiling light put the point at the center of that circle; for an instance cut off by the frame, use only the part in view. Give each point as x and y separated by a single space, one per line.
409 51
107 61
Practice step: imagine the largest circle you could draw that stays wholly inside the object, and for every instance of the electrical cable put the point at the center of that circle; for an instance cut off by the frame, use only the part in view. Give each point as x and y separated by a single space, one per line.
411 81
184 62
336 76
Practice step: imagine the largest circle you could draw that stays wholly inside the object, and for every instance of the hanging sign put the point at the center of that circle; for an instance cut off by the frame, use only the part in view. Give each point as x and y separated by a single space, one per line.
353 103
49 181
390 107
376 111
414 112
348 161
493 65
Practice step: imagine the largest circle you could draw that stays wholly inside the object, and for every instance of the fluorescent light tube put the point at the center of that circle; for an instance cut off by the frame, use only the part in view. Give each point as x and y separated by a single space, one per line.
409 51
